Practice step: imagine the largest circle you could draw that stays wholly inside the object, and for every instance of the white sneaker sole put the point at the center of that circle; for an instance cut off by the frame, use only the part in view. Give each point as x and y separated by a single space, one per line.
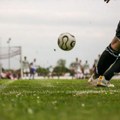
105 85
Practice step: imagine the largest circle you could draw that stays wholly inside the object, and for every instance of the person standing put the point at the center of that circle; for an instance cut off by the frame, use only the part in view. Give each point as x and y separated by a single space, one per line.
86 69
25 67
33 68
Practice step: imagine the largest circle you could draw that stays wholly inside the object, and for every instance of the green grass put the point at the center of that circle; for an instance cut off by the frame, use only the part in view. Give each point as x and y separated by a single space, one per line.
58 100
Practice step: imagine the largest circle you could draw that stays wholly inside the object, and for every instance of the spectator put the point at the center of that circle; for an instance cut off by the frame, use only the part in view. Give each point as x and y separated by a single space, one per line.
86 68
33 67
32 71
25 67
78 69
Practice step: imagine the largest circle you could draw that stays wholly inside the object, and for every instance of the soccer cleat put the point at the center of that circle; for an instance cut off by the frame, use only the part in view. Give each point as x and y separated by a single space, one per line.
102 82
92 80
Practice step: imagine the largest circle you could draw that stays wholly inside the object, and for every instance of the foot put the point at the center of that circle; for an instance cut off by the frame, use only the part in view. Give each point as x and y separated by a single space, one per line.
92 80
102 82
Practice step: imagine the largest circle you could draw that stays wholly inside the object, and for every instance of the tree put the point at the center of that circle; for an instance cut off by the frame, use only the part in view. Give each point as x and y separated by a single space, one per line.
61 63
42 71
72 68
61 68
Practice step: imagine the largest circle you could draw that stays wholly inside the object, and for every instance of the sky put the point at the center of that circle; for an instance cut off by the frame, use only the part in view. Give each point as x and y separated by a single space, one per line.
36 24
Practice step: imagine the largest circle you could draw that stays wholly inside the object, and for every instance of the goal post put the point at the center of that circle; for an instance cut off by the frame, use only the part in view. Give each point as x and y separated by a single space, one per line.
10 59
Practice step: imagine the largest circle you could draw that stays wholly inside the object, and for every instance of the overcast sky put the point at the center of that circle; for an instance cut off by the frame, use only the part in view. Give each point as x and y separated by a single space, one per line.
36 24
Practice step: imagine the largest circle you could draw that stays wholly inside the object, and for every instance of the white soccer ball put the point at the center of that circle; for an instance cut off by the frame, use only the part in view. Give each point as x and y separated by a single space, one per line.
66 41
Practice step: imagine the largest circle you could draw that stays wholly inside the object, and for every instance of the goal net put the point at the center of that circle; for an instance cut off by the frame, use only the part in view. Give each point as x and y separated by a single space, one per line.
10 59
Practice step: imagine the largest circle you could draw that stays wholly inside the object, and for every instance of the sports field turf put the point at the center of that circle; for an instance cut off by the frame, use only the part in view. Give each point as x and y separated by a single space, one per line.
58 100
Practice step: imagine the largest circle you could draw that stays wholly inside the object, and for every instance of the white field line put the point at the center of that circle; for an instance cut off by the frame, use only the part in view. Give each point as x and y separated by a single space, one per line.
4 85
74 93
96 92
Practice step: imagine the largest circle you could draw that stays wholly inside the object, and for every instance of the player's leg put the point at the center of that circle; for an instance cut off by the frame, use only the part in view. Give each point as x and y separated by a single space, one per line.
108 57
24 72
115 68
110 54
104 80
116 65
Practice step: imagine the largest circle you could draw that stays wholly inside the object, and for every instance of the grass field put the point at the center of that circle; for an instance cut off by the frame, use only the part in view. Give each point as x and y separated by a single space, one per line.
58 100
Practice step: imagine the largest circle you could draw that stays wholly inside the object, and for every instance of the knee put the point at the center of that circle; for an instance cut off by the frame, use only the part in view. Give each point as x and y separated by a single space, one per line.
115 44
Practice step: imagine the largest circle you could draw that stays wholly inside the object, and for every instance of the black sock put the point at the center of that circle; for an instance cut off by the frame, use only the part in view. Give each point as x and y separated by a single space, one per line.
107 58
115 68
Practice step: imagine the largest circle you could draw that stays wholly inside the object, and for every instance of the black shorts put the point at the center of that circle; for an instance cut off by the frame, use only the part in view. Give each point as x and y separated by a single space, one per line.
118 31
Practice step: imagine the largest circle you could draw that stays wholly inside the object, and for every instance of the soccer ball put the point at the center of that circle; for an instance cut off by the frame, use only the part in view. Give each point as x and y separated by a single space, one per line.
66 41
